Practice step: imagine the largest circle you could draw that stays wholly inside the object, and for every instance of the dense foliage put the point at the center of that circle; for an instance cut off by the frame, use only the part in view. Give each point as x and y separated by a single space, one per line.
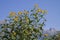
24 25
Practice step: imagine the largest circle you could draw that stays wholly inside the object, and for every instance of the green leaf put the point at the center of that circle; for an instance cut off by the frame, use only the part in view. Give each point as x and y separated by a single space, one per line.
13 37
45 38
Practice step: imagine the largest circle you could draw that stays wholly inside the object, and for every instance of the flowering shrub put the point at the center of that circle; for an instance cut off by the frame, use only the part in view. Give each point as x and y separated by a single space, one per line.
24 25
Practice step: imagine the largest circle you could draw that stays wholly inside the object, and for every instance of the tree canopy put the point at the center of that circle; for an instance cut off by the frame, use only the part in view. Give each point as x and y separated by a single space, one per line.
24 25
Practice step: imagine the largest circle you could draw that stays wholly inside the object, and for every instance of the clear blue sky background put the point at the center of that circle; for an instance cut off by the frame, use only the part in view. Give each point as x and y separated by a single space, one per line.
53 7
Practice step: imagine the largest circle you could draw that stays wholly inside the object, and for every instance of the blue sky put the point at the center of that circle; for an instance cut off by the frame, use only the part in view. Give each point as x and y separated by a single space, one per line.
53 7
